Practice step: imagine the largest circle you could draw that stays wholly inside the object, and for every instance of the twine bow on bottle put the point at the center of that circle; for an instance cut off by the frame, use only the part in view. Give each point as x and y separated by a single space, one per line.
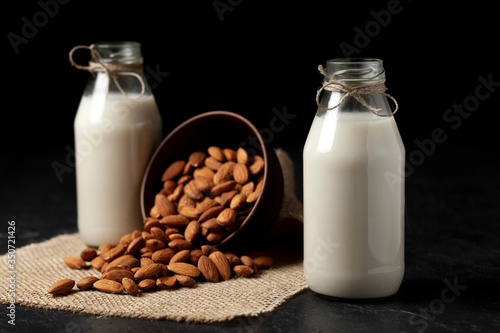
113 70
355 91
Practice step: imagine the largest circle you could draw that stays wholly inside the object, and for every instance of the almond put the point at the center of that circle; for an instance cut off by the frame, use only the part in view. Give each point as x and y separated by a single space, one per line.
162 256
74 262
246 260
180 244
88 254
232 258
183 268
222 187
243 270
208 269
175 221
135 245
257 165
147 284
118 275
190 212
263 262
192 231
97 263
150 224
212 163
205 204
169 186
159 234
238 201
253 197
105 247
177 194
154 212
215 237
154 244
226 217
108 286
125 260
224 173
204 172
181 256
212 225
242 156
192 191
223 267
247 188
226 197
196 158
203 184
195 256
130 286
216 153
183 180
185 281
61 286
148 272
173 170
186 201
229 154
164 205
240 173
86 282
166 282
209 213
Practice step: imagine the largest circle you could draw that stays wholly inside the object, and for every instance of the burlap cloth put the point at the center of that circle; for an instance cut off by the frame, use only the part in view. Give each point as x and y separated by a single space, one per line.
39 265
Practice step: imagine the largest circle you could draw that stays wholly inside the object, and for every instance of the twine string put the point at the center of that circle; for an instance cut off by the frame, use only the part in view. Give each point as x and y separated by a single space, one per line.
112 70
355 91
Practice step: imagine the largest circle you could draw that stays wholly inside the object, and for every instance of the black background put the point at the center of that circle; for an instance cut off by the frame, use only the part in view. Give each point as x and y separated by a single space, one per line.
263 55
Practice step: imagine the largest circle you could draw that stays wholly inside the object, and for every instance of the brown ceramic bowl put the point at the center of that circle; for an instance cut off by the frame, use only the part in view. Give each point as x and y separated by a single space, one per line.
226 130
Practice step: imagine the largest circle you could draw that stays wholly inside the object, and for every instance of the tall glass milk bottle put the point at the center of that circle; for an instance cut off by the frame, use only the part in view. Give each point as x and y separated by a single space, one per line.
117 128
354 187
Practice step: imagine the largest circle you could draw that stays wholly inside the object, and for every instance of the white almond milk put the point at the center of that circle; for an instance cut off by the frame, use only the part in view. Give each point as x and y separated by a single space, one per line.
353 210
114 139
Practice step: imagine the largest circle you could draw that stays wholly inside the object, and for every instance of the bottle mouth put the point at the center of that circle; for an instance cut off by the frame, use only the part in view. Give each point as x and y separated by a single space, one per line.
120 52
356 70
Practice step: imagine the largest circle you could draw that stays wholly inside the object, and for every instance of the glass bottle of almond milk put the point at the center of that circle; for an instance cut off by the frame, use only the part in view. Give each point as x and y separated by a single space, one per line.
117 128
354 187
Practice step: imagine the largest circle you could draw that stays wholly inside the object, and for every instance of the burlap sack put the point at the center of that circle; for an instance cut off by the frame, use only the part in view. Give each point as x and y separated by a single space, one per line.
38 266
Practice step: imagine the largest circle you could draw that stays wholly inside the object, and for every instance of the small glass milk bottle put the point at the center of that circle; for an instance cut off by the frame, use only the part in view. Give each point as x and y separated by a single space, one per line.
117 128
354 186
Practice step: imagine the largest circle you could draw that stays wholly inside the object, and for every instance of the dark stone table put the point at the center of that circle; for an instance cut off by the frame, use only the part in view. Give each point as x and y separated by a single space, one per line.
452 274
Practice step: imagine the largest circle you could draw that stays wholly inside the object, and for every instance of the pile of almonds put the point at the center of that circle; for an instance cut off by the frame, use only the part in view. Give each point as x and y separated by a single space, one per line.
202 201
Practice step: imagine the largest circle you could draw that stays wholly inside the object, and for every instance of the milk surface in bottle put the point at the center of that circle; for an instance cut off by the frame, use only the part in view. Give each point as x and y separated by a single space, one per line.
117 129
354 191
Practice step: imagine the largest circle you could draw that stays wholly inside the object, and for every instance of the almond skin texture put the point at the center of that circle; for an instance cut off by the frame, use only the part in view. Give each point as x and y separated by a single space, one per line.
109 286
130 286
183 268
223 267
163 256
209 213
61 287
164 205
181 256
173 170
175 221
227 216
180 244
196 158
114 252
148 272
88 254
166 282
86 282
216 153
185 281
118 275
74 262
147 284
240 173
192 231
208 269
242 156
243 270
263 262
